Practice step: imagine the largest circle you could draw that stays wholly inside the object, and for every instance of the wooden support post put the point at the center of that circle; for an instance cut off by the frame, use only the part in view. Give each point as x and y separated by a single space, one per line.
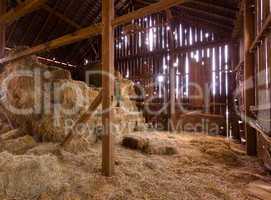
107 84
172 89
3 6
172 75
234 52
251 138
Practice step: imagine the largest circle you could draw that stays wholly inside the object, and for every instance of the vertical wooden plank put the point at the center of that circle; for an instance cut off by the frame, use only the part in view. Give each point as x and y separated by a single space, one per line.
172 72
3 7
251 138
107 84
233 115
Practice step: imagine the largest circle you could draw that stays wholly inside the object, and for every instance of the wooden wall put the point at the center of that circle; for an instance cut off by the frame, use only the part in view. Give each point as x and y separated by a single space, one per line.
147 48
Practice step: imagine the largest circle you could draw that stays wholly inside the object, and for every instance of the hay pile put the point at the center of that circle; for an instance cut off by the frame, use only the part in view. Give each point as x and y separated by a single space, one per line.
44 95
220 150
45 172
150 144
27 177
50 102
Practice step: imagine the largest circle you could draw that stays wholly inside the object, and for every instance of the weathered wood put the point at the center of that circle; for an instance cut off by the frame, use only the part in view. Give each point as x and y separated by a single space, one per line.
179 50
61 16
62 41
214 7
205 4
260 35
148 10
21 10
210 14
172 76
107 85
84 119
249 97
3 7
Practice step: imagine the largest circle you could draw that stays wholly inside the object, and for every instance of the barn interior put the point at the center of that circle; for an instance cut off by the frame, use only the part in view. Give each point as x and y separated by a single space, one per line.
135 99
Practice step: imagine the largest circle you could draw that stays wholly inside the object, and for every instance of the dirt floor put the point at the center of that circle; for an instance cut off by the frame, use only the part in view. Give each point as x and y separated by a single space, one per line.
204 168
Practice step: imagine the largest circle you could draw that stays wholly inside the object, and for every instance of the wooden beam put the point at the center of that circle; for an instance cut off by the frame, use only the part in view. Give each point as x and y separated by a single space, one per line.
202 3
3 7
249 94
64 18
45 23
260 35
197 20
207 13
22 9
215 7
84 118
62 41
148 10
107 85
61 16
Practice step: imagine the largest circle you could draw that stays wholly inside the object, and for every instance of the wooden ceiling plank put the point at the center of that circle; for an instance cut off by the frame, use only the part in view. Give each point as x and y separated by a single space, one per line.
62 41
22 9
68 21
202 3
45 24
148 10
215 7
207 13
61 16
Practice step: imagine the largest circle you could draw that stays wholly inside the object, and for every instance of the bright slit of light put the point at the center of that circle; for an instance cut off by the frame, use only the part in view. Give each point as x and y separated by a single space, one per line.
190 36
214 71
226 68
181 34
176 63
139 40
160 78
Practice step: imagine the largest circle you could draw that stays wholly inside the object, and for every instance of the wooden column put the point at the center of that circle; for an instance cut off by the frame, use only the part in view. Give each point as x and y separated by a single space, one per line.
172 74
107 85
3 6
233 117
249 100
172 100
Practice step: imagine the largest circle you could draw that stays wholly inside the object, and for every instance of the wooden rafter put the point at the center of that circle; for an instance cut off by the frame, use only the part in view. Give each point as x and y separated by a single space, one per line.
207 5
66 30
45 23
77 46
93 30
22 9
200 20
214 7
68 21
62 41
148 10
12 30
207 13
